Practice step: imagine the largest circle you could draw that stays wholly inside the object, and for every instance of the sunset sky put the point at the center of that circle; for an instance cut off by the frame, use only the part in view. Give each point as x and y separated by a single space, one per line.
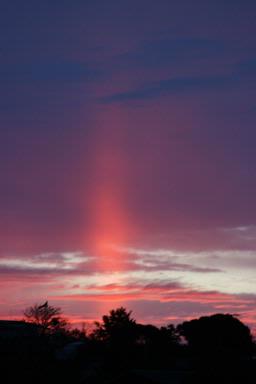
127 157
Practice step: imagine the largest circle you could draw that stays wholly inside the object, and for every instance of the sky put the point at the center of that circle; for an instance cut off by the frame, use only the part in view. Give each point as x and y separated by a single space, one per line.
127 158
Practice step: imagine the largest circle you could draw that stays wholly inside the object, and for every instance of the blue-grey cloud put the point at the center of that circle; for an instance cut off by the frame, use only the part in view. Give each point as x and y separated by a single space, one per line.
172 86
247 67
51 70
161 52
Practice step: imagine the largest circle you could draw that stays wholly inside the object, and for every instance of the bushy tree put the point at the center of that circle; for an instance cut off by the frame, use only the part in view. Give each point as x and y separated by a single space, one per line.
47 317
217 333
118 326
156 347
170 334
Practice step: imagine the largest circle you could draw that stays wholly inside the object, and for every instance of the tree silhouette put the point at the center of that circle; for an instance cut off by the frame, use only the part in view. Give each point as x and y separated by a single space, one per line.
217 333
117 327
156 346
47 317
170 334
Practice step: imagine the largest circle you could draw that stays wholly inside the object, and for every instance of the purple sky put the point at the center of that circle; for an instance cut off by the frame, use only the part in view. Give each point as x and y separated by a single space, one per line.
127 155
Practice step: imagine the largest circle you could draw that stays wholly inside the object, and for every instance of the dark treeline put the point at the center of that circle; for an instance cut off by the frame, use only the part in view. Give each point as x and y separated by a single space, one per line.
45 349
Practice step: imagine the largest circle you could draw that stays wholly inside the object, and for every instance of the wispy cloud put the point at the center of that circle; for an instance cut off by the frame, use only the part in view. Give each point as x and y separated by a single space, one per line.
49 71
172 301
158 53
172 86
55 263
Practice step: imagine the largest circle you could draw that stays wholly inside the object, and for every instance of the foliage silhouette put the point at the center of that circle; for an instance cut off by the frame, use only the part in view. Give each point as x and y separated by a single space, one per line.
120 350
47 317
219 332
117 327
